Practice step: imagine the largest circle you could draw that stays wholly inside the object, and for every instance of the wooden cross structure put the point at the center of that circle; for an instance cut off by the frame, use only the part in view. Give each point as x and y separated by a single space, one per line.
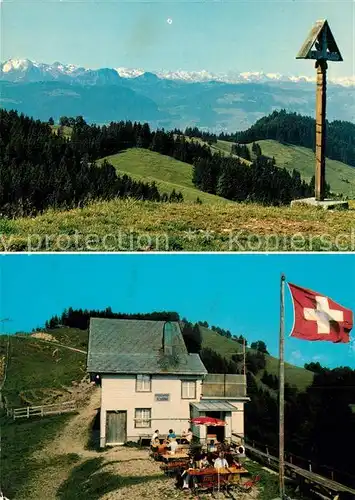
321 46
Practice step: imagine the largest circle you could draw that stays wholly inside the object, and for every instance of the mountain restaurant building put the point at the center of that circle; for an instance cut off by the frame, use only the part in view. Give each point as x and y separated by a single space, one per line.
149 381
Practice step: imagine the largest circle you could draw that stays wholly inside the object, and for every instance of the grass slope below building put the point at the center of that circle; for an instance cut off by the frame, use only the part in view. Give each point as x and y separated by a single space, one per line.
166 172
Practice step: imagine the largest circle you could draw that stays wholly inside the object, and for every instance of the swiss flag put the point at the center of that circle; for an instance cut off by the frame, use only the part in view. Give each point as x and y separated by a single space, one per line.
318 317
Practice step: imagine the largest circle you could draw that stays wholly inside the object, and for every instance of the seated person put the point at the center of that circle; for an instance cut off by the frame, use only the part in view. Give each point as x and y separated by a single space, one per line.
236 464
163 447
171 435
204 463
155 445
155 435
189 436
225 446
186 476
221 462
229 458
173 446
211 447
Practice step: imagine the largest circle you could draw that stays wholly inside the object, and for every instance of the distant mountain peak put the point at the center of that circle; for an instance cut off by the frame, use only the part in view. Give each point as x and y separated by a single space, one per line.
16 65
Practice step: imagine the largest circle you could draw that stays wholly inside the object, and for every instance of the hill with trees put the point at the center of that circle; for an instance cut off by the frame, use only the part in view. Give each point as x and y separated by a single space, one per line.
293 128
91 178
42 170
169 174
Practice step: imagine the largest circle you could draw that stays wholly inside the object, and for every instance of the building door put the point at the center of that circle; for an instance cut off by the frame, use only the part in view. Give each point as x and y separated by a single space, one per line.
218 431
116 424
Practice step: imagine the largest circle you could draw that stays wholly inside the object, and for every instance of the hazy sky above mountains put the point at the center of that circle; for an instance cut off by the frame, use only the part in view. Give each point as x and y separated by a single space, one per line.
236 292
215 35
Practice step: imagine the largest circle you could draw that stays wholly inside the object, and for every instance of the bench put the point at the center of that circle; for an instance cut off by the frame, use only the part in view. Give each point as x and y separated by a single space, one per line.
148 437
143 437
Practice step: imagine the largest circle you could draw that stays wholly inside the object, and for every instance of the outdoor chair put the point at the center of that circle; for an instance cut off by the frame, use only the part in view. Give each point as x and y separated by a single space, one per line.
174 467
248 485
207 482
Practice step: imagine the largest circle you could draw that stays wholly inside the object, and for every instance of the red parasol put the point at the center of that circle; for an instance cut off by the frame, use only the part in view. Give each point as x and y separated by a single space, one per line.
209 421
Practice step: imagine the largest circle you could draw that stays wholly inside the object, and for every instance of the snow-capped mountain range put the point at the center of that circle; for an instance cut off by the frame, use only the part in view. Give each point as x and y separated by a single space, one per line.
24 70
180 99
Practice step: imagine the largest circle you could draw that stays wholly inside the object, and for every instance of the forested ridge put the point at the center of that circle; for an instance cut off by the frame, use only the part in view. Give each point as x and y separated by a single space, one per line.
317 420
40 169
293 128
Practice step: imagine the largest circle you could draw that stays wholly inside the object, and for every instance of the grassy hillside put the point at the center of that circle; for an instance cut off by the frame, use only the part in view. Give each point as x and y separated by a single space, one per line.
168 173
20 440
340 176
38 371
136 225
294 375
223 147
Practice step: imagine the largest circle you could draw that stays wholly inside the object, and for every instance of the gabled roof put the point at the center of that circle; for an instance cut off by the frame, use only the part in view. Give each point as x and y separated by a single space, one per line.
320 34
135 347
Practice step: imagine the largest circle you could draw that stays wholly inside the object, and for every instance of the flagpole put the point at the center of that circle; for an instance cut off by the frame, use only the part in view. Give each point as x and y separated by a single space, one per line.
244 357
282 390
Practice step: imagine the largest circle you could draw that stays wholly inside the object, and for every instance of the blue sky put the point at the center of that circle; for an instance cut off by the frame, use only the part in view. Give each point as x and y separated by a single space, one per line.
236 292
215 35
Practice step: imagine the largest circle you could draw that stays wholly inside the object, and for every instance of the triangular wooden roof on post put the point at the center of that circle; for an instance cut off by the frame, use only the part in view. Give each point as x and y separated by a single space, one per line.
322 38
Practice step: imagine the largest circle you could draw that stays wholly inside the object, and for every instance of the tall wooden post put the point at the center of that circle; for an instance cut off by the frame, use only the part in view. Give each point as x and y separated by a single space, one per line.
244 357
282 391
320 46
321 99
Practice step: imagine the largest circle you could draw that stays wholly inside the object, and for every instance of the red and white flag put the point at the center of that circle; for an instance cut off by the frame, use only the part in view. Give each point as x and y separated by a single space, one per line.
318 317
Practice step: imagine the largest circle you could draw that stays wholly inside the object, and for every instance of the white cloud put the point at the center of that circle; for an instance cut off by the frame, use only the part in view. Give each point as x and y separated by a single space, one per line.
296 356
319 357
352 342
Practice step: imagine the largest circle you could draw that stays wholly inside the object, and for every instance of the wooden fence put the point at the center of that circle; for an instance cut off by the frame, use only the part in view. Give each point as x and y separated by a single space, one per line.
304 471
42 411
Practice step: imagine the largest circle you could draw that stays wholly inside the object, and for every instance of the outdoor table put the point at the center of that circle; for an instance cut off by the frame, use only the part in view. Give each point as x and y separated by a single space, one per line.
178 456
227 474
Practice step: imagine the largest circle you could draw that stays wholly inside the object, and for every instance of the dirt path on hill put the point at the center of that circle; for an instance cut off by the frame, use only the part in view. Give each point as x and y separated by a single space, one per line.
70 472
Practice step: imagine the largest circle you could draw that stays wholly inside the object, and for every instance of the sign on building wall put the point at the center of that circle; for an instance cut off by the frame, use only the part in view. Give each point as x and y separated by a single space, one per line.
162 397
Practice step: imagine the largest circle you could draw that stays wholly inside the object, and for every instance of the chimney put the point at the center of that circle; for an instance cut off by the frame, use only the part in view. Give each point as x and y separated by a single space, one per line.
168 334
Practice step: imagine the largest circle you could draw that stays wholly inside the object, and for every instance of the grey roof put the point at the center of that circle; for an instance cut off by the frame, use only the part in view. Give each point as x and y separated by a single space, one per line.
135 346
214 405
314 35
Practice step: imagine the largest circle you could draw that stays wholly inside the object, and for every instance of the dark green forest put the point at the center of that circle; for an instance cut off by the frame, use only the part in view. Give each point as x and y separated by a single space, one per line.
293 128
41 170
319 422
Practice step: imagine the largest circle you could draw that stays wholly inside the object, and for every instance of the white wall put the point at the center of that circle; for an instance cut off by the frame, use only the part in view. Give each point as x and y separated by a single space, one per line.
118 392
237 419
